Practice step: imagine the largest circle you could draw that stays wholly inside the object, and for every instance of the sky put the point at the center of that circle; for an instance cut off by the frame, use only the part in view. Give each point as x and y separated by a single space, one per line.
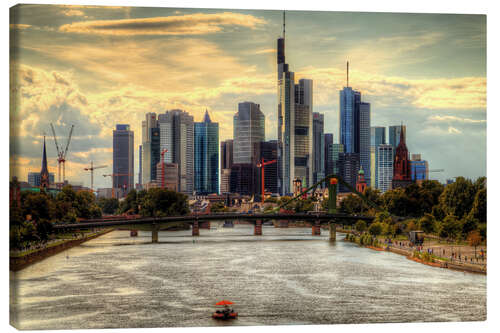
96 67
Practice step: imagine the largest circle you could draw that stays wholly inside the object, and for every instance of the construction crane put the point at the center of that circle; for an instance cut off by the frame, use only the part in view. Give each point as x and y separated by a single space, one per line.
262 165
163 167
61 154
91 169
112 183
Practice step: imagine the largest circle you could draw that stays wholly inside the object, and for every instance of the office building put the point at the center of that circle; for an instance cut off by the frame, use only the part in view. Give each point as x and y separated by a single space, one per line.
177 138
385 167
34 178
377 137
328 145
337 149
170 175
269 152
248 133
206 156
123 158
419 168
139 181
244 179
318 151
225 181
151 156
226 154
348 169
394 135
364 140
145 165
295 106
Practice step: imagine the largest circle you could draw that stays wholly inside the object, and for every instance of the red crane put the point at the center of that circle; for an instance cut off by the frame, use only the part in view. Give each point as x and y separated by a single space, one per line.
113 181
163 167
91 169
262 165
61 154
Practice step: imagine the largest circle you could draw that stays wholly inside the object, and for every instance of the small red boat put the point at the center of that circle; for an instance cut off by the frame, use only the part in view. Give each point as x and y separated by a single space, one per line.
226 313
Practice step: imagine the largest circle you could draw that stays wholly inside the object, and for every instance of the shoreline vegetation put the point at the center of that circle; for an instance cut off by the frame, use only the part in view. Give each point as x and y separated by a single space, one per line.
21 260
425 258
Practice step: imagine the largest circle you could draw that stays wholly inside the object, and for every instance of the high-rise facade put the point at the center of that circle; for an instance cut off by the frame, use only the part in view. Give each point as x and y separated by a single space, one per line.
336 150
328 153
377 137
226 154
384 167
248 133
151 156
269 152
34 178
294 124
394 135
349 165
318 151
302 163
123 158
419 168
364 140
176 129
206 156
139 181
349 119
145 170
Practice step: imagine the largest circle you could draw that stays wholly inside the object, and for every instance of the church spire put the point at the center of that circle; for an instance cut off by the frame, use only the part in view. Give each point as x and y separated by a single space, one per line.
44 173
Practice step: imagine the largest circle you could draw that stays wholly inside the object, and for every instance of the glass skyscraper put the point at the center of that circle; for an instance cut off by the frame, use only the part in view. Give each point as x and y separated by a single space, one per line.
349 119
318 151
123 158
377 137
206 156
328 153
248 132
151 156
364 139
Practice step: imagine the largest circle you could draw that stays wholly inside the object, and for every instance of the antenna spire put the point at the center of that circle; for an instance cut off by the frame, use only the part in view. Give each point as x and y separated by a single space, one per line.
283 24
348 74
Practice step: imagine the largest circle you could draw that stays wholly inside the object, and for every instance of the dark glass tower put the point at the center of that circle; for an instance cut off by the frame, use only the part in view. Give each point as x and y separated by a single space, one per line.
318 150
206 156
123 157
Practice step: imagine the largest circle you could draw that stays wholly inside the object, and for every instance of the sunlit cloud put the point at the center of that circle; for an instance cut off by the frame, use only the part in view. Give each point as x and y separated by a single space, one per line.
456 119
192 24
19 26
73 12
453 130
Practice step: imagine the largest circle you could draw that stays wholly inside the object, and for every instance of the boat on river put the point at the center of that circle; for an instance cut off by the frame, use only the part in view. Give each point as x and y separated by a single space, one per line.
225 313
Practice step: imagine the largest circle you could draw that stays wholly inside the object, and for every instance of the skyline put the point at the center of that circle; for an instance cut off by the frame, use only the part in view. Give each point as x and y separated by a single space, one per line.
94 98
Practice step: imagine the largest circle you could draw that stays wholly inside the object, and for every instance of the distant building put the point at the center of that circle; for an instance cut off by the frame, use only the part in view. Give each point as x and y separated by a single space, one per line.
147 160
318 151
151 156
269 152
244 179
377 137
419 168
177 136
106 193
225 181
385 167
348 169
139 181
171 174
226 154
336 150
364 139
44 173
34 178
361 183
328 153
395 135
206 156
123 158
302 161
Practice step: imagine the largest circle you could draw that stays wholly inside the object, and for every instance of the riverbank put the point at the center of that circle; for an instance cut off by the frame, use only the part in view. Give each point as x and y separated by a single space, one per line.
423 257
18 262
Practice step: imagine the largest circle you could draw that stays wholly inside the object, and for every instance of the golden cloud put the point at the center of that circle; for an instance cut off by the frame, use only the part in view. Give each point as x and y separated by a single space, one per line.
19 26
191 24
73 12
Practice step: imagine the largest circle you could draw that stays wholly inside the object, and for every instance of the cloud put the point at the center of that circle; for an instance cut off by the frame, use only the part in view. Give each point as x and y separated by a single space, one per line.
265 51
19 26
191 24
456 119
453 130
73 12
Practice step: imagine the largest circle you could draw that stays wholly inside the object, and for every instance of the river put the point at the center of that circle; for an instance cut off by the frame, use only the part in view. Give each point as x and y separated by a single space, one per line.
285 276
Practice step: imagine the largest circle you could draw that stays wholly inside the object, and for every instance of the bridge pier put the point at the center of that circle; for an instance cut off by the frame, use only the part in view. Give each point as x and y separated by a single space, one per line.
154 236
333 231
316 228
257 229
196 228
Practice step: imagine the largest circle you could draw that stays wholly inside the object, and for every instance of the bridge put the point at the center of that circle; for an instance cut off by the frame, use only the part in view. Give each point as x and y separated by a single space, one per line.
155 224
316 219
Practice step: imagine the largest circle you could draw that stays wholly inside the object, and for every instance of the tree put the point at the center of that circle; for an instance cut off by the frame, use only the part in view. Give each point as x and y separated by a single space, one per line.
450 227
383 217
474 239
396 202
479 205
108 205
375 229
458 197
164 202
352 204
360 226
468 224
427 223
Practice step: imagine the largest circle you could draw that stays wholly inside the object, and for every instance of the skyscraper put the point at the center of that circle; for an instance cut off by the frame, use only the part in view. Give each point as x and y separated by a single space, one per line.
419 168
348 169
248 133
318 151
139 181
123 158
294 124
269 152
384 167
302 163
206 156
226 154
151 156
364 140
377 137
145 170
176 129
336 150
328 153
349 119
